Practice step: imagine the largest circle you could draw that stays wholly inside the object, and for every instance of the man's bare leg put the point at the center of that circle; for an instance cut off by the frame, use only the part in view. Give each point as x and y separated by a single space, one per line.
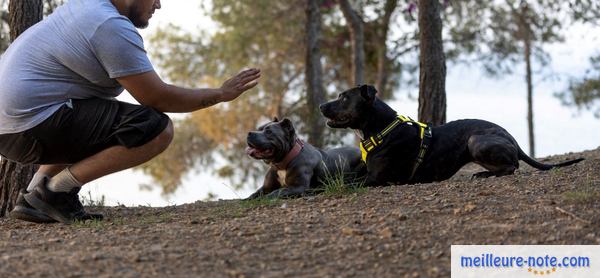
119 158
52 169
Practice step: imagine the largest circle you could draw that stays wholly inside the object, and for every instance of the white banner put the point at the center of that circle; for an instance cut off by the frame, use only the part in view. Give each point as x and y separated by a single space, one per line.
515 261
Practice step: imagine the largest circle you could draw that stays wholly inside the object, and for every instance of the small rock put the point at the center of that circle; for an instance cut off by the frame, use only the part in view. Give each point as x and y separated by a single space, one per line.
350 231
469 207
386 233
155 247
284 206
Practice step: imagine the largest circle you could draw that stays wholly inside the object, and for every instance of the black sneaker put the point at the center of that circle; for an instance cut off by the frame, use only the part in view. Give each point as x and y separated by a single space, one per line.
24 211
81 214
61 206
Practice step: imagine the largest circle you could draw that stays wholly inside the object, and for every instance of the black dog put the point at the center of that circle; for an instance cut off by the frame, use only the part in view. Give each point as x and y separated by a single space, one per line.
399 150
297 166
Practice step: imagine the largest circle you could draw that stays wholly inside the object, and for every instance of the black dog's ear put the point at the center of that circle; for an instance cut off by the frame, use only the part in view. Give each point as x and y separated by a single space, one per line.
368 92
287 125
275 119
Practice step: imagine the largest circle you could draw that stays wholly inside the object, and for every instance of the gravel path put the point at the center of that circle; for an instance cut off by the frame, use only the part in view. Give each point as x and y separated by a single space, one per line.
396 231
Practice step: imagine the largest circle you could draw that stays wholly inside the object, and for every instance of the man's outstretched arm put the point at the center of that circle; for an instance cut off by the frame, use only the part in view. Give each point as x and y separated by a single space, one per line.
148 89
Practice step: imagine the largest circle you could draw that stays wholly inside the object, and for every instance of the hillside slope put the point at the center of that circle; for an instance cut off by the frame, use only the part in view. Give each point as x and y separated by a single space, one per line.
385 232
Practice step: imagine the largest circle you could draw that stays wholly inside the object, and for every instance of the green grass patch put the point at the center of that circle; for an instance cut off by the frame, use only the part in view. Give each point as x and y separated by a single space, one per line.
98 224
228 210
586 195
337 183
89 201
261 202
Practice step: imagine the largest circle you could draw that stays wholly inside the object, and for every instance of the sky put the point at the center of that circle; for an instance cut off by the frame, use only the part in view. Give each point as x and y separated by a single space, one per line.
470 94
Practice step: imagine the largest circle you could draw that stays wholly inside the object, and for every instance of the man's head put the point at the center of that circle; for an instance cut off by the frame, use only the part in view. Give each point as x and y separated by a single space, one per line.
138 11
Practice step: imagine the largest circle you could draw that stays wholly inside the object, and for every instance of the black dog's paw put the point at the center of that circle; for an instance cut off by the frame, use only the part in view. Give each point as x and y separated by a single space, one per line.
482 175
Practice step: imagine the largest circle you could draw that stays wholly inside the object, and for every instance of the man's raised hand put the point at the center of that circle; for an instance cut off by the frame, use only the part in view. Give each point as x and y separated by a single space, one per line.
238 84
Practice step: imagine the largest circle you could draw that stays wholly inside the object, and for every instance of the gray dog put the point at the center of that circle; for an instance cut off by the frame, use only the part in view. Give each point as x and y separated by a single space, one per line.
297 166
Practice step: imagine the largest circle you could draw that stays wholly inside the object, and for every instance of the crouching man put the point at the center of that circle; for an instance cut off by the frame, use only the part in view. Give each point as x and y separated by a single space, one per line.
58 81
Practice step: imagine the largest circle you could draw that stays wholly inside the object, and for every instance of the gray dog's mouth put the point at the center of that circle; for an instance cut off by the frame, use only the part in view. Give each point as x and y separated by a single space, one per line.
257 153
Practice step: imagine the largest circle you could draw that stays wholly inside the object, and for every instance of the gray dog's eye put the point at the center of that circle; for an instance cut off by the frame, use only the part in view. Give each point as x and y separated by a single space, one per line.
268 131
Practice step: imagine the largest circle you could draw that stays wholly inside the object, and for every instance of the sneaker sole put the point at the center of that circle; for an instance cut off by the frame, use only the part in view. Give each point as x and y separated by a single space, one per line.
46 208
30 215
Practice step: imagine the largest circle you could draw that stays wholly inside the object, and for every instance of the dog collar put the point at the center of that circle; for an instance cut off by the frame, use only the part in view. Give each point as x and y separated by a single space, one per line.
425 135
295 151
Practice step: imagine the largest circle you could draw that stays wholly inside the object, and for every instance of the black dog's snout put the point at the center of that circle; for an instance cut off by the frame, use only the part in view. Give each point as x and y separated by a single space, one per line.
323 107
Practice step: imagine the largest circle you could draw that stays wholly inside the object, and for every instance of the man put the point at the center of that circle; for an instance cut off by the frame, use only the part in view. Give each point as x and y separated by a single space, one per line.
58 81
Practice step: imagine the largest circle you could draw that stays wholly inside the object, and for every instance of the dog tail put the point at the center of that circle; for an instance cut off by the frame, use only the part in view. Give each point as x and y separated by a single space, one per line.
523 156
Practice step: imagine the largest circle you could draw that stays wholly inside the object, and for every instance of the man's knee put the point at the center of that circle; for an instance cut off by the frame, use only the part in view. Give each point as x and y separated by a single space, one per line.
164 139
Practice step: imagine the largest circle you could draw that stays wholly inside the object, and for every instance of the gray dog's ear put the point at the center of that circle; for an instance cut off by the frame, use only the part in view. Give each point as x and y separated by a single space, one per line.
275 119
368 92
287 125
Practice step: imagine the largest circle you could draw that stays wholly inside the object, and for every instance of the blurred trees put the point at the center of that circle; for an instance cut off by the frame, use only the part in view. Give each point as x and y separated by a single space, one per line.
584 93
4 28
511 33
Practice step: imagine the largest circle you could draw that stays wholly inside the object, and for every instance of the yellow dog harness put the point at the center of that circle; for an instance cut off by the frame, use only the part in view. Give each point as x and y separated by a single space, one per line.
372 142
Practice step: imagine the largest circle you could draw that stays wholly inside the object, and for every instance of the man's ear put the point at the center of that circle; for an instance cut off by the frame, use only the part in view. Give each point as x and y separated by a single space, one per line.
275 119
368 92
287 125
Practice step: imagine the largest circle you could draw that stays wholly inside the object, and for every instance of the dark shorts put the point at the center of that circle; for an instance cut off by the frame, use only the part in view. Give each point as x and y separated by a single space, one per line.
90 126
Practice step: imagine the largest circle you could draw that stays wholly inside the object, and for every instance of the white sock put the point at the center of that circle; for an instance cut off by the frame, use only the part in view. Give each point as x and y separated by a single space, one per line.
63 182
37 178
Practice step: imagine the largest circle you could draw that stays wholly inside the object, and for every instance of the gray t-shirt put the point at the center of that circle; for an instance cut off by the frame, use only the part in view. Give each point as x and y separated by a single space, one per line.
75 53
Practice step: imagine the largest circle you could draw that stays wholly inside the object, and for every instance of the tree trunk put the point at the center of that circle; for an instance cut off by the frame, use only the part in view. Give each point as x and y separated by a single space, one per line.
314 80
357 38
14 177
382 58
528 78
22 15
432 61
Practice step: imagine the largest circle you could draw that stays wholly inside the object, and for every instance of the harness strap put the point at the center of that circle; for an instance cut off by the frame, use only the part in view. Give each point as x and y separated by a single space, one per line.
425 135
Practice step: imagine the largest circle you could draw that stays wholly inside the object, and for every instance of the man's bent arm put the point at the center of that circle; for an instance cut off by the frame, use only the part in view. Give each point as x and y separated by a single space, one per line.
148 89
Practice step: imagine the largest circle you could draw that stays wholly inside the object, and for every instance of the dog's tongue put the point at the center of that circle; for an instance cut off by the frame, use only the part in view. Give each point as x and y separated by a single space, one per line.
250 150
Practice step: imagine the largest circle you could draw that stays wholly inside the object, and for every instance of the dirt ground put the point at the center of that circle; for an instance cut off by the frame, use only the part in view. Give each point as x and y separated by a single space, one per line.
396 231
